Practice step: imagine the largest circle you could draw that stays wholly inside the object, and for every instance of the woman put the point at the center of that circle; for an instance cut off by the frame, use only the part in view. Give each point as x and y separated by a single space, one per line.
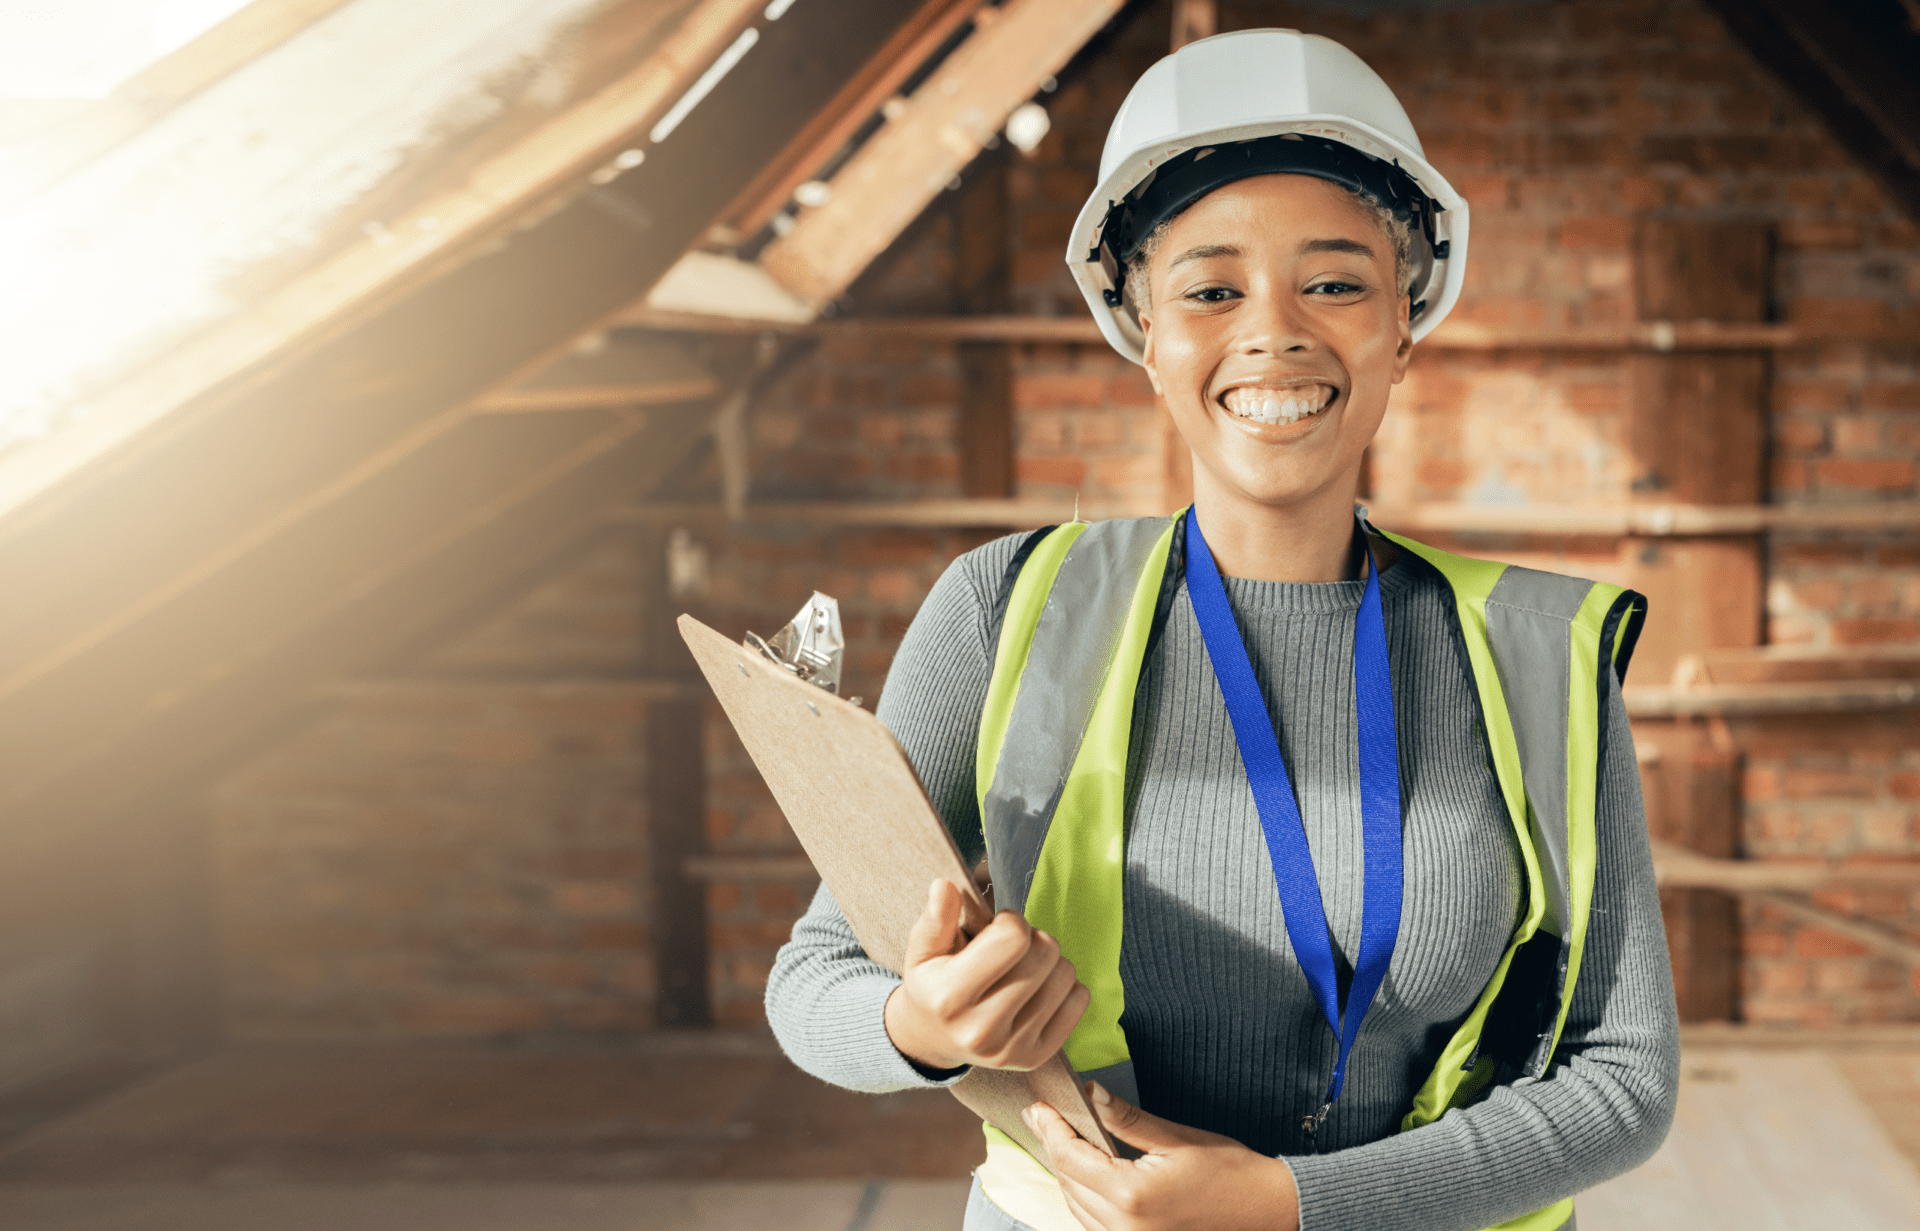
1326 849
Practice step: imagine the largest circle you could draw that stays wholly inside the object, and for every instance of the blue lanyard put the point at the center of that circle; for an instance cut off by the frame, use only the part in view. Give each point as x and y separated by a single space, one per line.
1293 872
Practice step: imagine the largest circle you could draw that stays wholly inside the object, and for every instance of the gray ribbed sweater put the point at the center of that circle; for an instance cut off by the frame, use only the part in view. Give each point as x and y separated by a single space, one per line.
1223 1030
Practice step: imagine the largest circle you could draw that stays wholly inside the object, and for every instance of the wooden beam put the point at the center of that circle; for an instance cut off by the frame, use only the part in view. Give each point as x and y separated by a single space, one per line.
1677 867
235 41
1879 938
428 688
1656 337
677 831
983 283
751 868
1764 700
554 159
878 81
1541 520
629 372
1855 67
942 128
151 574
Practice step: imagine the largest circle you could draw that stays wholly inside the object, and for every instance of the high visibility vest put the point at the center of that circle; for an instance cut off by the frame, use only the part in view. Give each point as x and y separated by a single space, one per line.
1074 629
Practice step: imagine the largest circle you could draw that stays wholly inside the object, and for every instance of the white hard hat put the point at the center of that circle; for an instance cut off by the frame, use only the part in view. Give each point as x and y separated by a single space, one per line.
1270 101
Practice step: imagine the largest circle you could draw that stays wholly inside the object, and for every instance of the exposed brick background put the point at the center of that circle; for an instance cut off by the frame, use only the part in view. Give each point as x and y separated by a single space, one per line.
433 862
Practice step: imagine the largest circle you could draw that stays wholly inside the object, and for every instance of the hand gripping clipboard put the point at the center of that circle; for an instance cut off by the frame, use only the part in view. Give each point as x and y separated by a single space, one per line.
860 812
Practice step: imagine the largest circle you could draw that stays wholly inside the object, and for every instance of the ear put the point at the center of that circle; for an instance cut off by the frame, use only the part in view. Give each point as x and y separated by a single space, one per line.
1146 354
1403 354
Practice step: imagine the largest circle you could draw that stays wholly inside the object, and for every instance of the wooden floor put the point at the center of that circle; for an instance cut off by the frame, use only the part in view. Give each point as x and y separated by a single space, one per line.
721 1134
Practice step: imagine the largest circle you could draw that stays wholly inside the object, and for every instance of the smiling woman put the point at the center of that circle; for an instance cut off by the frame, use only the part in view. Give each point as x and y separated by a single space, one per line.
1321 852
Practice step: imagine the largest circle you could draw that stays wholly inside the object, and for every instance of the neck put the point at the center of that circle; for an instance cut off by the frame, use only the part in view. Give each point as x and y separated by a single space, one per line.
1310 539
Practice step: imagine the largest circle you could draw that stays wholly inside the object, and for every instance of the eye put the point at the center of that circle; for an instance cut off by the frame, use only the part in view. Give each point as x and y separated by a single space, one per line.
1213 294
1335 287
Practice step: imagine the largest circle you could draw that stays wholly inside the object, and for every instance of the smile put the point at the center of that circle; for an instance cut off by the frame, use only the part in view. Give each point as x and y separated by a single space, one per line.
1290 405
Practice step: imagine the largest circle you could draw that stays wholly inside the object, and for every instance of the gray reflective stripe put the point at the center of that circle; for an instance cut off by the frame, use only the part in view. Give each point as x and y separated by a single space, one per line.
1529 629
1072 650
1118 1079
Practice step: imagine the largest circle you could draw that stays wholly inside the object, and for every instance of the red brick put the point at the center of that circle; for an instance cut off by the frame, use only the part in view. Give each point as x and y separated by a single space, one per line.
1059 389
1871 474
1882 395
1904 786
1817 942
1067 471
1596 233
1840 315
1885 631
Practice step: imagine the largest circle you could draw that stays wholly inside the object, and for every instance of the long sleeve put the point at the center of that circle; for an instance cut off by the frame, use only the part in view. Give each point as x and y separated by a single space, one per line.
825 998
1604 1109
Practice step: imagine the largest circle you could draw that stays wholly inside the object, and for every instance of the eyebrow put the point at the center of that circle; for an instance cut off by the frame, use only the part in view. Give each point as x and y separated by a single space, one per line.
1352 247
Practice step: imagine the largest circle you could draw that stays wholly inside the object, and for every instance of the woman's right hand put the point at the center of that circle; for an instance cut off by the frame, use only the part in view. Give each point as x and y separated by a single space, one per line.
1005 999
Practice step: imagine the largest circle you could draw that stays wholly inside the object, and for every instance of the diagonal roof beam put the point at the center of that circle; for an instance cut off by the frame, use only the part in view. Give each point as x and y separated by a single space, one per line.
941 128
1856 65
534 173
156 90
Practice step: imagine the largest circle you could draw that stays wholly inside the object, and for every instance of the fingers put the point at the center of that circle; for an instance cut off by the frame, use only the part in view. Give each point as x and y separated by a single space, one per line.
1071 1156
1137 1128
936 933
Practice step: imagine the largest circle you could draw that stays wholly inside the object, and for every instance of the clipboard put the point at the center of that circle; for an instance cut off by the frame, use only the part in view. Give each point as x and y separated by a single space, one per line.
854 801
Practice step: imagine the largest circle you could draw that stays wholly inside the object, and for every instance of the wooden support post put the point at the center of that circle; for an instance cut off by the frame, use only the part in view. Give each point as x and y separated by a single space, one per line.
983 281
1697 430
676 809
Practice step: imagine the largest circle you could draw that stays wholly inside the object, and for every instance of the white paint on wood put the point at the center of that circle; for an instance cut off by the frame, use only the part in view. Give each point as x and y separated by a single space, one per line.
706 284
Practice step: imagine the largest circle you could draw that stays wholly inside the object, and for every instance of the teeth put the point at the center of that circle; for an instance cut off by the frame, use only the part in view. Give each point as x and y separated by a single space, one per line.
1269 406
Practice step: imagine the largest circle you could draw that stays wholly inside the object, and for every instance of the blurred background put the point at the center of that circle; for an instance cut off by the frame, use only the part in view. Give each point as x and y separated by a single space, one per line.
379 378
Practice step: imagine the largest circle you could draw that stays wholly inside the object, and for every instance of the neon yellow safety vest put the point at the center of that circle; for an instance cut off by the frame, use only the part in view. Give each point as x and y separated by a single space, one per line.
1078 615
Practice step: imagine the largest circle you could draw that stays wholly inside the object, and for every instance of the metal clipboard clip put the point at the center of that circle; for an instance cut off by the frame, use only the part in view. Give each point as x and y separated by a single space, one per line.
810 645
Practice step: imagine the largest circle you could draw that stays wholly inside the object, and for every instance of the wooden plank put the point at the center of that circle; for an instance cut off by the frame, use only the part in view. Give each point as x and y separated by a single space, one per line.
677 828
1762 1139
848 792
627 372
942 128
1760 700
1878 937
876 82
1657 337
1697 431
553 158
1576 520
1678 867
983 283
146 578
751 868
236 40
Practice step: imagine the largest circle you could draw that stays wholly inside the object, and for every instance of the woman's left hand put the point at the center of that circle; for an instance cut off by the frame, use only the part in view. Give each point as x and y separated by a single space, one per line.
1185 1180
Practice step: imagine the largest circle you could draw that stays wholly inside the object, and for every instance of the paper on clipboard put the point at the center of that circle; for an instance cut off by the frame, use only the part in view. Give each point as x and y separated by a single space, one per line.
858 808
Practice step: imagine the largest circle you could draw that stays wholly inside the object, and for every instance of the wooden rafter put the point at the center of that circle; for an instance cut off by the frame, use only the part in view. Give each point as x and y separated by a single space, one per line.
554 159
1856 66
235 41
941 128
246 553
877 81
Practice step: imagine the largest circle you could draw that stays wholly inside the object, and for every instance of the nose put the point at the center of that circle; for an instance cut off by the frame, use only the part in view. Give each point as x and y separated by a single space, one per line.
1270 323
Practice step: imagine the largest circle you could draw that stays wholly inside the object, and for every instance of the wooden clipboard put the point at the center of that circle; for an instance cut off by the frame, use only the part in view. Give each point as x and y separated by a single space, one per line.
858 808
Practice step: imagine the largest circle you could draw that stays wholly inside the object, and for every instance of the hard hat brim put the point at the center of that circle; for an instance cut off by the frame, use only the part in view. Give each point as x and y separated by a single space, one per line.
1442 287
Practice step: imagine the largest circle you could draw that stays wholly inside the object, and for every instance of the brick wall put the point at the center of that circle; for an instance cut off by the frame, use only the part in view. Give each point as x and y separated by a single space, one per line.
360 861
